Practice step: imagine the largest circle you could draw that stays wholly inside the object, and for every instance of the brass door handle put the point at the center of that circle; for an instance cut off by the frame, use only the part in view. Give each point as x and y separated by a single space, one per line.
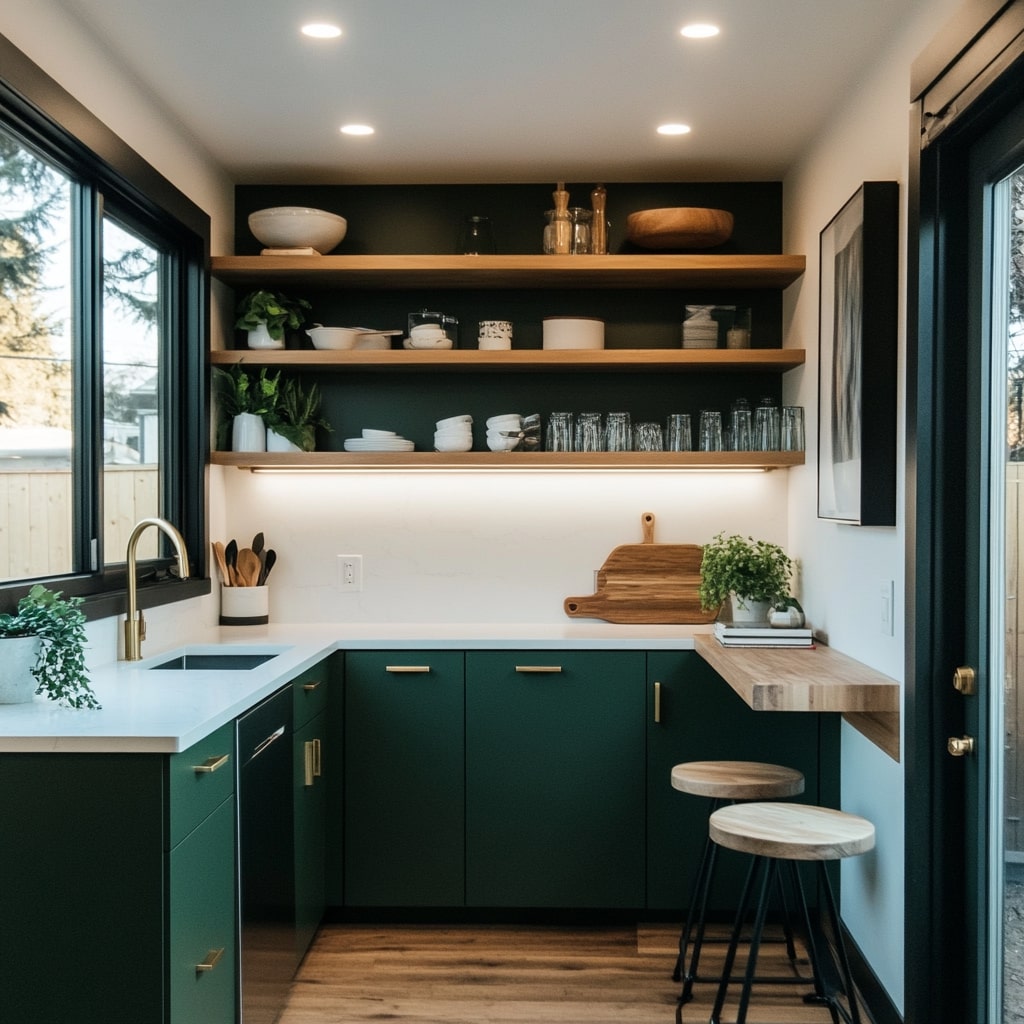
965 681
406 668
211 764
657 703
211 961
310 687
550 669
312 761
958 746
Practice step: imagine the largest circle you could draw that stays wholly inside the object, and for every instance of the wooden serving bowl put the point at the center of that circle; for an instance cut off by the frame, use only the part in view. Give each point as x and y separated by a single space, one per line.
679 227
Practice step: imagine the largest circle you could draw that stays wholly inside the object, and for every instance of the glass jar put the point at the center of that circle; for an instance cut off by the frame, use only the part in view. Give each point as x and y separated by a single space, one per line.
557 232
579 241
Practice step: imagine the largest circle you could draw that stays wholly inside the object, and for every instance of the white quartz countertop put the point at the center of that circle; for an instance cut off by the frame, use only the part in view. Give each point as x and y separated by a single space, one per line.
160 711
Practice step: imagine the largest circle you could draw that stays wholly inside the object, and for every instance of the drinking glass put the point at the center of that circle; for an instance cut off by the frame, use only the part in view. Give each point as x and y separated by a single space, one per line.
559 433
792 428
647 437
618 434
677 432
588 437
766 426
741 426
477 237
710 430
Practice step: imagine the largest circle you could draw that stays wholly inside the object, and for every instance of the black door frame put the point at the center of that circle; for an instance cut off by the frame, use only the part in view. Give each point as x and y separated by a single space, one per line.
964 82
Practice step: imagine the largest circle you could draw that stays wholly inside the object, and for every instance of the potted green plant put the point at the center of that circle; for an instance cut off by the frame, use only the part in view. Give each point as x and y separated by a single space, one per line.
295 417
244 400
265 315
46 634
754 574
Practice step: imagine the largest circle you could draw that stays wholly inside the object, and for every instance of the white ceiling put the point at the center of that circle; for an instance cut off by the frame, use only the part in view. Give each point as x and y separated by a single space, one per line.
488 91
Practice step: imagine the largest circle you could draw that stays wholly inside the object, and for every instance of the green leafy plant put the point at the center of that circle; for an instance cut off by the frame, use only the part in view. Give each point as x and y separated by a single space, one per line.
275 310
297 414
754 570
60 625
237 391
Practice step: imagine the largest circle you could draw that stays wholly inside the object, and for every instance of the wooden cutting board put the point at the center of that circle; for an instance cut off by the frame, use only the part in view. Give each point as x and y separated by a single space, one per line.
646 583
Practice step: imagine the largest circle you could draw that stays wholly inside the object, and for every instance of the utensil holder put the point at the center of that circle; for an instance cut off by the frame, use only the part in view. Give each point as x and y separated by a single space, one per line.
244 606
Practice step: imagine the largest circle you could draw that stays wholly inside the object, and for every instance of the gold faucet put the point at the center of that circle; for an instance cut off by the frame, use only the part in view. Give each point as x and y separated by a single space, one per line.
135 623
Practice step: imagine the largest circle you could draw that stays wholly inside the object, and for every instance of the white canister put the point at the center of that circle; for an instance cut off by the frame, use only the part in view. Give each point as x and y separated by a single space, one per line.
244 606
495 334
567 332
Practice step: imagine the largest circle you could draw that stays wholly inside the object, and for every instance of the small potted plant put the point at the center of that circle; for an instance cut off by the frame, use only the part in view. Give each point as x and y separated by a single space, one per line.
244 400
292 423
753 574
266 315
44 651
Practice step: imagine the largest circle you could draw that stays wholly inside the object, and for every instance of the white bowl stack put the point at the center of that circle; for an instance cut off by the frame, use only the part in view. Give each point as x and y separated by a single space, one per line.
499 429
454 434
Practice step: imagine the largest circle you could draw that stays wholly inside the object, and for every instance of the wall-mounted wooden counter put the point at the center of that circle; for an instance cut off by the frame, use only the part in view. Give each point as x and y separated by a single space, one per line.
811 679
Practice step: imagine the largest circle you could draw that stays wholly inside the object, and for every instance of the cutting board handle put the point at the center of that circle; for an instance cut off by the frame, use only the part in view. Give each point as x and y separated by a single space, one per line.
647 525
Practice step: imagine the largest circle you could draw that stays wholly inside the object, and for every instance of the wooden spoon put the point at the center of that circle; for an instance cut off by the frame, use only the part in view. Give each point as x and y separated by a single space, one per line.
222 565
248 567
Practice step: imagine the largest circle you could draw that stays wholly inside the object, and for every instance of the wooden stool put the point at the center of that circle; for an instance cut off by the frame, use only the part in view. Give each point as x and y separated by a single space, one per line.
723 782
776 836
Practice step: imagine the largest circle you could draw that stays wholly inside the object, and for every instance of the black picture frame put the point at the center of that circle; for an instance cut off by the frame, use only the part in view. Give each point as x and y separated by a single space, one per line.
857 358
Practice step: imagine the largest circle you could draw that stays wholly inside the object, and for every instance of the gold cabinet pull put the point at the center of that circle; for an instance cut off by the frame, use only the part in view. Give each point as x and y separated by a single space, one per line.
211 764
310 687
657 703
312 760
398 669
550 669
211 961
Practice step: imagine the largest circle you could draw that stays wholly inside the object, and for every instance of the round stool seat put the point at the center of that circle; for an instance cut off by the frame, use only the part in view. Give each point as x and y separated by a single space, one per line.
737 780
791 831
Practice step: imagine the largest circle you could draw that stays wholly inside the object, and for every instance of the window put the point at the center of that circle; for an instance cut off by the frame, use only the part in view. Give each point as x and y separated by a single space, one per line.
102 328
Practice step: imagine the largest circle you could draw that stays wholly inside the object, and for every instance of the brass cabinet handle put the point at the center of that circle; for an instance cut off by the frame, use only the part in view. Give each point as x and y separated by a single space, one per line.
406 668
525 669
318 764
307 751
310 687
211 764
657 703
211 961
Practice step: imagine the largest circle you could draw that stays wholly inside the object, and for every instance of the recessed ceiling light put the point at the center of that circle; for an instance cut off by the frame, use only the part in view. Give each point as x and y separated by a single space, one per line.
356 129
699 31
673 129
321 30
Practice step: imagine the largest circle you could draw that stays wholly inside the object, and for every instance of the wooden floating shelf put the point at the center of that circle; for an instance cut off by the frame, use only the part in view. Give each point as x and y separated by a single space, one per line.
612 271
764 360
507 461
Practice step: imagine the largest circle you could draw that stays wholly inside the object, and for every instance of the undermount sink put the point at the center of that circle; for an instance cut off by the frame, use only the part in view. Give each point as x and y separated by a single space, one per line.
215 661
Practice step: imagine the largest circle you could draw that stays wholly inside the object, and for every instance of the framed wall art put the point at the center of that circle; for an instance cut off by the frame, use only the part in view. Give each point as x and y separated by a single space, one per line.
857 365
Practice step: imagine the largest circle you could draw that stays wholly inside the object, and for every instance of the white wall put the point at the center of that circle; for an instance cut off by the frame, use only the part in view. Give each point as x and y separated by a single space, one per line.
844 567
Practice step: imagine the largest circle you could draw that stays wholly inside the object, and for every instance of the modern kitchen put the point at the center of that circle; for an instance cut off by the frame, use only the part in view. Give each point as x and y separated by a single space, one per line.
480 694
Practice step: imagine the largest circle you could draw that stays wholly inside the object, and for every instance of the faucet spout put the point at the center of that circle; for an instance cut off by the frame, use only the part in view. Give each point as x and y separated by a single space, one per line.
135 623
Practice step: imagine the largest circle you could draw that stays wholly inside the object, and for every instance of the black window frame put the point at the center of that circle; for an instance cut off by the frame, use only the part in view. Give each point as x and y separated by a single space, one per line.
107 172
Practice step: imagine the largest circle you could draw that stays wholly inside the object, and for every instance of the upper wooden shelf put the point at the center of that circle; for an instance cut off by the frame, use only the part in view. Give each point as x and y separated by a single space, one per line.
632 271
753 360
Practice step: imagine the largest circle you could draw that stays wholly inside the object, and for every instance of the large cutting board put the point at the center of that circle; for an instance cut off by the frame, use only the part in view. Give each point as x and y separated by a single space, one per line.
646 583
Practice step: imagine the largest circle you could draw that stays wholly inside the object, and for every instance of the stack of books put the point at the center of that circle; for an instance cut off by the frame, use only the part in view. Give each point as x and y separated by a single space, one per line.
761 634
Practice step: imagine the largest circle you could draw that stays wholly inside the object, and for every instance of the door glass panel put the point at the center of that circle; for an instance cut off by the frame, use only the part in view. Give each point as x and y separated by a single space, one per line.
1007 721
131 377
36 394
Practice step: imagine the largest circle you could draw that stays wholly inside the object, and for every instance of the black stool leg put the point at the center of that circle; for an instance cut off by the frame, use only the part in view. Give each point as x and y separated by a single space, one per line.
730 955
695 914
844 962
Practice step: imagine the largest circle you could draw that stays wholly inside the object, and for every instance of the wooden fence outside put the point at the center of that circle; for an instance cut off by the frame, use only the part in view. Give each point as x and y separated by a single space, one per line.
35 518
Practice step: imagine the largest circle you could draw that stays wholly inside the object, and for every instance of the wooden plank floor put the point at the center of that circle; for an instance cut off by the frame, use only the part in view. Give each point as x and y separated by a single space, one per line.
513 974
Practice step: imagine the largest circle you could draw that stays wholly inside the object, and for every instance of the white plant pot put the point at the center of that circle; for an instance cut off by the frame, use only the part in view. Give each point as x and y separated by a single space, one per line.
745 610
278 443
19 655
248 434
260 338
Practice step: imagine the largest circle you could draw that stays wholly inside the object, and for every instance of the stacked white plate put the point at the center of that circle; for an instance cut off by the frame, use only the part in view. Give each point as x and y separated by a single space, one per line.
378 441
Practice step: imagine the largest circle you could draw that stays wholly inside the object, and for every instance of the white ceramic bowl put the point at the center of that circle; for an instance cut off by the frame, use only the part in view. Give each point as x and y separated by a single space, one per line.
506 421
454 421
368 433
292 227
568 332
501 444
334 338
462 443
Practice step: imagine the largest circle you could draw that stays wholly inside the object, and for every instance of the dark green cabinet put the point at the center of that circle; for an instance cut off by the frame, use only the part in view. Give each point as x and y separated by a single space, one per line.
554 779
404 778
118 896
693 715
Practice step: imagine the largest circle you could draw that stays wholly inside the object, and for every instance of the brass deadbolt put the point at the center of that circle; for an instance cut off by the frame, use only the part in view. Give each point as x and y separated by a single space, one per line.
958 746
965 681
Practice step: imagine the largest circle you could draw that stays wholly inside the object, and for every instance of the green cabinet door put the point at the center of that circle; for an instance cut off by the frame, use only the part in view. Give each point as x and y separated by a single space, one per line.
203 916
555 779
404 778
700 718
311 761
